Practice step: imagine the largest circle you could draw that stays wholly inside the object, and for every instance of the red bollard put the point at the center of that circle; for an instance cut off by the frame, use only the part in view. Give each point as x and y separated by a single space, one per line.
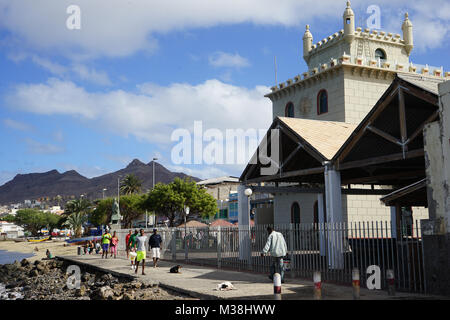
317 286
356 284
391 282
277 286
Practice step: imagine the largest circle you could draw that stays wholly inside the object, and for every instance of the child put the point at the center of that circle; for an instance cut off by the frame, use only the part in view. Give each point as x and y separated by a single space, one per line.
133 255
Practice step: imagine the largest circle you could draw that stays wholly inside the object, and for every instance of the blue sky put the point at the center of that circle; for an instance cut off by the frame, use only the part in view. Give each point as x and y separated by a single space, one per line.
96 98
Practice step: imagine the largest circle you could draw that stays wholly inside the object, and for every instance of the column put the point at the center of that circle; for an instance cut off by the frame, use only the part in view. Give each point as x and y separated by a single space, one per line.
334 215
244 225
322 238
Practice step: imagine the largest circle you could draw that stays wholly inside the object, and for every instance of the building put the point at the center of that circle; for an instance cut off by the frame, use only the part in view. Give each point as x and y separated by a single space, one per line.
10 229
221 188
357 87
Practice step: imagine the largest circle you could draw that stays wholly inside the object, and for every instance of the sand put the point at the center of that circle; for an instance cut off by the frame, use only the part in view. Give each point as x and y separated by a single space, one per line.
56 248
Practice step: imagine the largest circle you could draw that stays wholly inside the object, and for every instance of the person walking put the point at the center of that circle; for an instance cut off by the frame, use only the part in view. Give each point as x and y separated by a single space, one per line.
127 244
277 247
106 239
114 244
141 252
132 240
155 244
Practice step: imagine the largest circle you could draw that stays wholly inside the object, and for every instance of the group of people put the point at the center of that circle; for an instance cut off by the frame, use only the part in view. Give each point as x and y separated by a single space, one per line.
137 251
136 248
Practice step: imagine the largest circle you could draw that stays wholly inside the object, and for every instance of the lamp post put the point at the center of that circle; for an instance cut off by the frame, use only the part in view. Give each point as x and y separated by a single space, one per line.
118 191
154 159
247 247
186 212
104 189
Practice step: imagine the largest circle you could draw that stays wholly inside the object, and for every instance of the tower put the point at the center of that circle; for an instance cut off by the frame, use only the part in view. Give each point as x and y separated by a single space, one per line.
349 24
307 43
407 29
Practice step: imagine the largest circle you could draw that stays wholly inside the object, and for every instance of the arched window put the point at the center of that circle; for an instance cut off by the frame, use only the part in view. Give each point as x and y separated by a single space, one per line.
322 102
289 111
295 213
380 54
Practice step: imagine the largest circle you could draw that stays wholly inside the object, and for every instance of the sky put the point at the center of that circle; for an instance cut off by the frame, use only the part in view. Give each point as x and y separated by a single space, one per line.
95 98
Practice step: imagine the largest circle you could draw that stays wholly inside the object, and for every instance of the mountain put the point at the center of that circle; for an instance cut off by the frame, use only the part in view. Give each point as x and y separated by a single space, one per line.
71 184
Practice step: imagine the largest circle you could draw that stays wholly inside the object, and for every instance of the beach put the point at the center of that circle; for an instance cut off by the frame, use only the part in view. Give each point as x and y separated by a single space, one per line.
56 248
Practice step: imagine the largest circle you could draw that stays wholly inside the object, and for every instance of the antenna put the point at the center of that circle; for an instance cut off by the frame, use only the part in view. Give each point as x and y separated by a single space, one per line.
275 64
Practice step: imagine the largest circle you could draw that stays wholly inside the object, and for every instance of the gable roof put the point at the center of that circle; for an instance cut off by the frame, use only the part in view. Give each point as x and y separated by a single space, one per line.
324 136
429 84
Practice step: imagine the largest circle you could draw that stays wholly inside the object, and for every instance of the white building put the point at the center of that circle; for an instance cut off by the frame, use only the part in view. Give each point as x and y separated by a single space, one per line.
321 112
10 229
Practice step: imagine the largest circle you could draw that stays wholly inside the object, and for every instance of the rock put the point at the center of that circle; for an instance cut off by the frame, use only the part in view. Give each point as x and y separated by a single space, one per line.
37 262
135 285
25 263
81 291
103 293
128 296
33 273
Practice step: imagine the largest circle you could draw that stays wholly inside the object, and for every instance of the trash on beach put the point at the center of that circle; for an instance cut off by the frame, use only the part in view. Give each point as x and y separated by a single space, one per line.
225 286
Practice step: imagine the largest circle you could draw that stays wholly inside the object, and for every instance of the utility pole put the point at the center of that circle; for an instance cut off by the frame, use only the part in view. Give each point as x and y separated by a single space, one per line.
154 159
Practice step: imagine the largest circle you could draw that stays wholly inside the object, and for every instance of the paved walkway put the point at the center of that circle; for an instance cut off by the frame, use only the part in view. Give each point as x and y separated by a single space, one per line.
201 282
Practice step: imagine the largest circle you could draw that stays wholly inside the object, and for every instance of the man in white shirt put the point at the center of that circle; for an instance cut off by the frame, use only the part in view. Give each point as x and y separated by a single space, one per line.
277 247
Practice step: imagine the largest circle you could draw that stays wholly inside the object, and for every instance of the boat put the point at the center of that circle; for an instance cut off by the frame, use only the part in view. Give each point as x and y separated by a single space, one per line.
39 240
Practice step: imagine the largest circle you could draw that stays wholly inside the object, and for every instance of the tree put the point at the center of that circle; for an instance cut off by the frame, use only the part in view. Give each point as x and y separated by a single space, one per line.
131 184
131 206
173 198
77 206
75 221
33 220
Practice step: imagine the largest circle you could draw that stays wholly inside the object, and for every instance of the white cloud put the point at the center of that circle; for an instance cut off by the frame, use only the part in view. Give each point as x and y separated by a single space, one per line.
153 112
36 147
16 125
119 28
91 75
223 59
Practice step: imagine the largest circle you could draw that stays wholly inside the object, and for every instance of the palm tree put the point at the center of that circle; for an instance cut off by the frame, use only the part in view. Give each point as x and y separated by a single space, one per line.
77 206
75 221
131 184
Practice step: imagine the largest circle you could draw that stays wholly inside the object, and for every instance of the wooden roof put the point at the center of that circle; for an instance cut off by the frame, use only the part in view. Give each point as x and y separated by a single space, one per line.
324 136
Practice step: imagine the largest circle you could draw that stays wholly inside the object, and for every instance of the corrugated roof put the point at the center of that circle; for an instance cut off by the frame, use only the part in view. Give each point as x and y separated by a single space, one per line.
423 82
324 136
225 179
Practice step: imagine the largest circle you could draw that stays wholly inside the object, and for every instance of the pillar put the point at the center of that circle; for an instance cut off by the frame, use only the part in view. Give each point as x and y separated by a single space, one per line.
333 198
244 225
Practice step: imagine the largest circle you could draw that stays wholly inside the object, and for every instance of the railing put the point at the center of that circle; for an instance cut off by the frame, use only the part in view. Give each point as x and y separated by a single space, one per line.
334 249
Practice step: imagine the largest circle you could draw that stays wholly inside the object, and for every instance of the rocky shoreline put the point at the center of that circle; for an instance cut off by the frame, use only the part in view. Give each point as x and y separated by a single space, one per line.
47 280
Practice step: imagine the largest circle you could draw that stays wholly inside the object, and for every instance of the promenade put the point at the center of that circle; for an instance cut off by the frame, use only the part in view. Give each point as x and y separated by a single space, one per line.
201 282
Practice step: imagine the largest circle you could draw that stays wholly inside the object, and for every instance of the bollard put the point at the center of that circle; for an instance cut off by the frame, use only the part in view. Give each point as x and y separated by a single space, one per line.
391 282
356 284
79 251
317 286
277 286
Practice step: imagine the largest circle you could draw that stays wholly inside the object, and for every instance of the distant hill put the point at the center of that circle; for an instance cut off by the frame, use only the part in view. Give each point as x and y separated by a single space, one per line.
71 184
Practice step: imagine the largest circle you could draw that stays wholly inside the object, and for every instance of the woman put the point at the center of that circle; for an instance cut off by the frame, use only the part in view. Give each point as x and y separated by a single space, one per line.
114 243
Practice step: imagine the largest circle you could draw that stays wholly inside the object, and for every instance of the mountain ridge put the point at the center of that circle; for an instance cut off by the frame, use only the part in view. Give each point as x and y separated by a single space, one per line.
71 184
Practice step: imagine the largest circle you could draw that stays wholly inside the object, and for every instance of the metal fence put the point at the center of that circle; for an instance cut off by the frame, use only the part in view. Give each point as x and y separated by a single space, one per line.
335 249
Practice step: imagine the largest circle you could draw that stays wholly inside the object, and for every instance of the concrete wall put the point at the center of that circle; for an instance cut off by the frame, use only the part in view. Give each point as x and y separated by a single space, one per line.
355 208
221 191
264 215
361 93
305 100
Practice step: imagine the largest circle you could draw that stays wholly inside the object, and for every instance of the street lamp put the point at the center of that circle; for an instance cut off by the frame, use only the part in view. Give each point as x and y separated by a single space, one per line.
104 189
154 159
186 212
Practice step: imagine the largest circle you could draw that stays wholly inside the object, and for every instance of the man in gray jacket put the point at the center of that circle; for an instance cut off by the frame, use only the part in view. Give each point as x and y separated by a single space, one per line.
277 247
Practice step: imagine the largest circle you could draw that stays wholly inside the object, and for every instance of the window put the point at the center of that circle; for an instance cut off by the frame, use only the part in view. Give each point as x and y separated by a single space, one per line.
348 20
316 213
322 102
295 213
380 54
289 111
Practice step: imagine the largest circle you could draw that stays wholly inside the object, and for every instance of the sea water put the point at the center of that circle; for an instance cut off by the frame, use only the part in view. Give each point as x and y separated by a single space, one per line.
7 257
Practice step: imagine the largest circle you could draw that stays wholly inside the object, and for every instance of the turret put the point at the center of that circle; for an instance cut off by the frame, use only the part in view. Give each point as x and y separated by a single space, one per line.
349 24
307 43
407 29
